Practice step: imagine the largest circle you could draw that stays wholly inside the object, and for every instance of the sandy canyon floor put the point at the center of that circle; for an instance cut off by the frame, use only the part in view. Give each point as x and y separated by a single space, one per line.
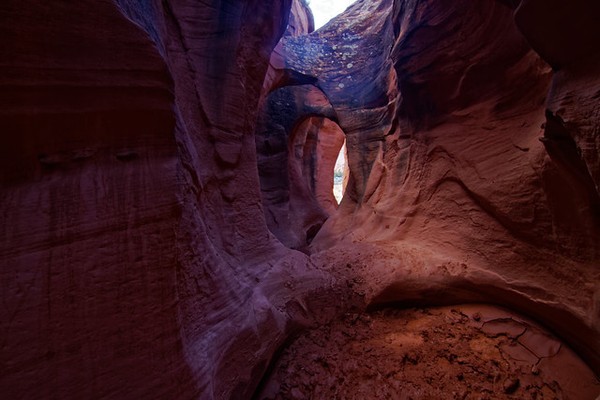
460 352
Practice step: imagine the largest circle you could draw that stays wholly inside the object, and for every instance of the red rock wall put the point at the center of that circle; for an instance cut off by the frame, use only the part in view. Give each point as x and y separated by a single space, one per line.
133 242
89 207
452 179
568 39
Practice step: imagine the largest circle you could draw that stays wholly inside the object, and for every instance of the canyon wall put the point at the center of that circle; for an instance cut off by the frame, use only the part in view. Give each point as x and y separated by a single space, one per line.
464 183
89 207
136 261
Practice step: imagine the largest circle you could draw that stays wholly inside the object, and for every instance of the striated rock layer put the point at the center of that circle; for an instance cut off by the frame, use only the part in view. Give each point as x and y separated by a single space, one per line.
160 161
464 185
136 262
89 206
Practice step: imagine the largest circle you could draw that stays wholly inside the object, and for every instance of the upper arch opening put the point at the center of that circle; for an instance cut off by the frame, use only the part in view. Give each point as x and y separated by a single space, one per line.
325 10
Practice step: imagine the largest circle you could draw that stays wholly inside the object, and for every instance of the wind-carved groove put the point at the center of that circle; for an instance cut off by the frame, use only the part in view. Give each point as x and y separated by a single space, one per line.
515 228
176 27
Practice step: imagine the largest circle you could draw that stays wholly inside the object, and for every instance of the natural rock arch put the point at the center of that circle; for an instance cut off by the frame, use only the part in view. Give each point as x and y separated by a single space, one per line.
298 142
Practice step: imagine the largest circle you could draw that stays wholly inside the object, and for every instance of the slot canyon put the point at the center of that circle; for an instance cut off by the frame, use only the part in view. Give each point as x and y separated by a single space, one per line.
169 224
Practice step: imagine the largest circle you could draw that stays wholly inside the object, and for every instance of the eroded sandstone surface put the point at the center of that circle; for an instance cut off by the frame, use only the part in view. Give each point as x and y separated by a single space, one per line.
164 161
457 189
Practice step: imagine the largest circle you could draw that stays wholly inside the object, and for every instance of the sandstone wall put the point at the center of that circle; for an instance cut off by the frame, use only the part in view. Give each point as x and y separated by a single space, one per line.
134 244
464 184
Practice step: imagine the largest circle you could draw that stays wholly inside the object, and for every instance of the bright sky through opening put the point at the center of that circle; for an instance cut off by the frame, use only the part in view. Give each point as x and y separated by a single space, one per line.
324 10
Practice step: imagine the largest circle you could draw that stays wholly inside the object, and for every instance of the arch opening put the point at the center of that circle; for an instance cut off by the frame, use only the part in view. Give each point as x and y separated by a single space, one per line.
340 174
325 10
318 160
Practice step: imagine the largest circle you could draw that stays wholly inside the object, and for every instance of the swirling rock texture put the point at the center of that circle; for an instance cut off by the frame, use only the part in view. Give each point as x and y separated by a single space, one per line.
462 187
161 160
134 245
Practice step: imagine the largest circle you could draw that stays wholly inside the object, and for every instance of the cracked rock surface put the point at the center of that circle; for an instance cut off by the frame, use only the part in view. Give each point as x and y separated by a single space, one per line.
459 352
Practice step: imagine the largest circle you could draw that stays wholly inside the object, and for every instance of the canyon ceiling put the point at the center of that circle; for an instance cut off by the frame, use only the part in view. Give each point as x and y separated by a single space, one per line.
167 218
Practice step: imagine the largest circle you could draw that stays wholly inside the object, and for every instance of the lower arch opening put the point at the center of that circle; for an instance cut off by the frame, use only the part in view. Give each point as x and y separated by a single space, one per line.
340 174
